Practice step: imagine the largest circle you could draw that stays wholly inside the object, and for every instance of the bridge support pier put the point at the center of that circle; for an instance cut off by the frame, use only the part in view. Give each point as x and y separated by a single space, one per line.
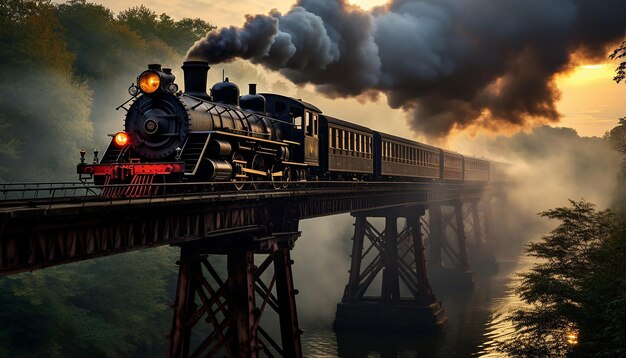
477 217
227 305
448 261
396 259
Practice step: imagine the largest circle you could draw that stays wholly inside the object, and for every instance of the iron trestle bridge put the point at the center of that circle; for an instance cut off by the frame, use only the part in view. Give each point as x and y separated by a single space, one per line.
48 224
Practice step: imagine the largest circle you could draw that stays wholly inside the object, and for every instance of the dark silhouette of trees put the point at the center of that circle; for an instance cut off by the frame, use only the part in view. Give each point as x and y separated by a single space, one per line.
178 34
618 54
575 294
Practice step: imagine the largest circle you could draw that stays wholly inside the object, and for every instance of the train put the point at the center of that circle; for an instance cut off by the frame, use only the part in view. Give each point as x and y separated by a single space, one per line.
254 140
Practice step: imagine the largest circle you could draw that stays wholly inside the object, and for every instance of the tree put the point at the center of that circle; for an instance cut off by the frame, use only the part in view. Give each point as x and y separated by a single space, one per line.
179 35
576 294
620 71
109 307
617 136
44 106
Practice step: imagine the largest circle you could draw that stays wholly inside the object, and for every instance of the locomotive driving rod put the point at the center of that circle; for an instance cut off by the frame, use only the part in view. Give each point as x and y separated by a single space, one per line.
261 173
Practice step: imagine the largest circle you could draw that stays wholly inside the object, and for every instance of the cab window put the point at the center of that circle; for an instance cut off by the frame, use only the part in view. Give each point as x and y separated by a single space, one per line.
315 124
297 121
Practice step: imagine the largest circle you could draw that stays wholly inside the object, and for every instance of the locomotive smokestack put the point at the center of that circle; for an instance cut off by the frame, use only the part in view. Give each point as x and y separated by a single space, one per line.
195 78
252 88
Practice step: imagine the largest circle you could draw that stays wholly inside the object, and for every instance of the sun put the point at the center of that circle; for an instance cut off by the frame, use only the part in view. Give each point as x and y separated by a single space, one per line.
367 4
588 73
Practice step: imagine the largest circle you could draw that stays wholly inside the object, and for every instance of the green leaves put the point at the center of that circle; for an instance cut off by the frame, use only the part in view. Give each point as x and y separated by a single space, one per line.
63 70
620 71
107 307
180 35
581 269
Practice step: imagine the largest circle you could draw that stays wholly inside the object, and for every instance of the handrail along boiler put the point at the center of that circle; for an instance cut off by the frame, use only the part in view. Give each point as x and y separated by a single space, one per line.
173 136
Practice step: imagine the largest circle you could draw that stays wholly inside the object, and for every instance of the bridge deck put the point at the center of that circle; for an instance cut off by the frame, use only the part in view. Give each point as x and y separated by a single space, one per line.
40 227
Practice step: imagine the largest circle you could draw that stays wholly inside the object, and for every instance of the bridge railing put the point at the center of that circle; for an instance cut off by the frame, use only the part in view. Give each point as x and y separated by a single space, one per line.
36 191
49 193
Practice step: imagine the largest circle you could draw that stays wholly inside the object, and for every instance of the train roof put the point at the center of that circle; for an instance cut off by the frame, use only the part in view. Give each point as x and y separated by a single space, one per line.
453 153
292 100
406 141
343 123
476 158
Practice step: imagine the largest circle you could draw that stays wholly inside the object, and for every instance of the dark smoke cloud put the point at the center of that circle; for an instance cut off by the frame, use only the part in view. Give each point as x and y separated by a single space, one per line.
451 63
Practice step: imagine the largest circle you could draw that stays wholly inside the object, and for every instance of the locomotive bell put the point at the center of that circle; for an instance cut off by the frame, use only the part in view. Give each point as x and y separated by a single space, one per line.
225 92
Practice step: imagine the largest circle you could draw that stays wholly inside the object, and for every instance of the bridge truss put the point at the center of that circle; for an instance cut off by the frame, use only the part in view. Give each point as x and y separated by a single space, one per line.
46 224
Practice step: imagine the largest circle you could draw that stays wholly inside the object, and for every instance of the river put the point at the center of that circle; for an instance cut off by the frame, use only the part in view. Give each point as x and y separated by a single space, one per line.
475 317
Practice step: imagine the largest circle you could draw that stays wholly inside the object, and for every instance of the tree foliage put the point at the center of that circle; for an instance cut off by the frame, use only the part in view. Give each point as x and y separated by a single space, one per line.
63 70
619 54
617 136
579 287
44 105
617 139
179 34
105 308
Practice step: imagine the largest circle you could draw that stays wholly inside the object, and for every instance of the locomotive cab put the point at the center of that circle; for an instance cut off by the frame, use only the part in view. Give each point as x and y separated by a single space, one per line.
305 128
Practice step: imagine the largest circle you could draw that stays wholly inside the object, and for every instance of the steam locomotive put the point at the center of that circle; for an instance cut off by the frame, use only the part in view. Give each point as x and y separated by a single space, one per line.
174 136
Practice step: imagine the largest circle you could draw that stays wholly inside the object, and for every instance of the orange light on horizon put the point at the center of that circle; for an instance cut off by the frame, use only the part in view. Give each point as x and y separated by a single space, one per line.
121 139
585 74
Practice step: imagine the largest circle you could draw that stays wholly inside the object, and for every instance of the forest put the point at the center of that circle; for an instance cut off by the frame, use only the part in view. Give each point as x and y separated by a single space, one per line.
60 65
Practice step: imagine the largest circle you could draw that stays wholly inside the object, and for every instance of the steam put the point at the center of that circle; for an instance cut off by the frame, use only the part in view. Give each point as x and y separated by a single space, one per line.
548 167
450 64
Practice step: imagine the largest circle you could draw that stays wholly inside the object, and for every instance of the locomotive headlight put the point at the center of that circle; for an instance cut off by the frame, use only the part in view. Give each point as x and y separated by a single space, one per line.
121 139
149 82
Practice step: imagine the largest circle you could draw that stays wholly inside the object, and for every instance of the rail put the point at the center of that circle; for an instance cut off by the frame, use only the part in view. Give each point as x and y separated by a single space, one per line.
50 193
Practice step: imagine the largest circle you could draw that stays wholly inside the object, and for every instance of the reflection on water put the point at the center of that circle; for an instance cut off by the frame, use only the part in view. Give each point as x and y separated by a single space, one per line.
476 323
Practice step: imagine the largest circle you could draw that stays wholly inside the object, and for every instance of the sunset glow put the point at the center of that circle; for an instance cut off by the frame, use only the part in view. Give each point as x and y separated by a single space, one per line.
367 4
590 101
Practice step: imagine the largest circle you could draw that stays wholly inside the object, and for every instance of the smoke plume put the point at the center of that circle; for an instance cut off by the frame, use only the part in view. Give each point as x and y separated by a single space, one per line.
451 64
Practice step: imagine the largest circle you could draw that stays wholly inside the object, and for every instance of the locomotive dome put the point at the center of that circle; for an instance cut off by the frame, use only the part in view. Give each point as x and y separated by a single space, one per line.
252 101
225 92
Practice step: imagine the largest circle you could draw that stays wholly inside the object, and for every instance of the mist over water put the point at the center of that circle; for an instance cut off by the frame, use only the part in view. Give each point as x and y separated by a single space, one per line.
476 317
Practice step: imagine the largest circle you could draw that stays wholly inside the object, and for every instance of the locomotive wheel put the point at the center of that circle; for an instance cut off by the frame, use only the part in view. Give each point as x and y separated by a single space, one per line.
301 175
276 183
287 177
240 183
258 163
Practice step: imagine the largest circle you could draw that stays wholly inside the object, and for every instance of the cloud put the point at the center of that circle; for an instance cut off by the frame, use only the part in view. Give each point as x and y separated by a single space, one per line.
451 64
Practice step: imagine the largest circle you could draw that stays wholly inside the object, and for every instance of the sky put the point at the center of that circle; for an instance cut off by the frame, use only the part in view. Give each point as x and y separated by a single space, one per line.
591 102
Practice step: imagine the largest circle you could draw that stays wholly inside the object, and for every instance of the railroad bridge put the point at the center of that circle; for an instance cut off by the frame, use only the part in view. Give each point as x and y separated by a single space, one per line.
48 224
